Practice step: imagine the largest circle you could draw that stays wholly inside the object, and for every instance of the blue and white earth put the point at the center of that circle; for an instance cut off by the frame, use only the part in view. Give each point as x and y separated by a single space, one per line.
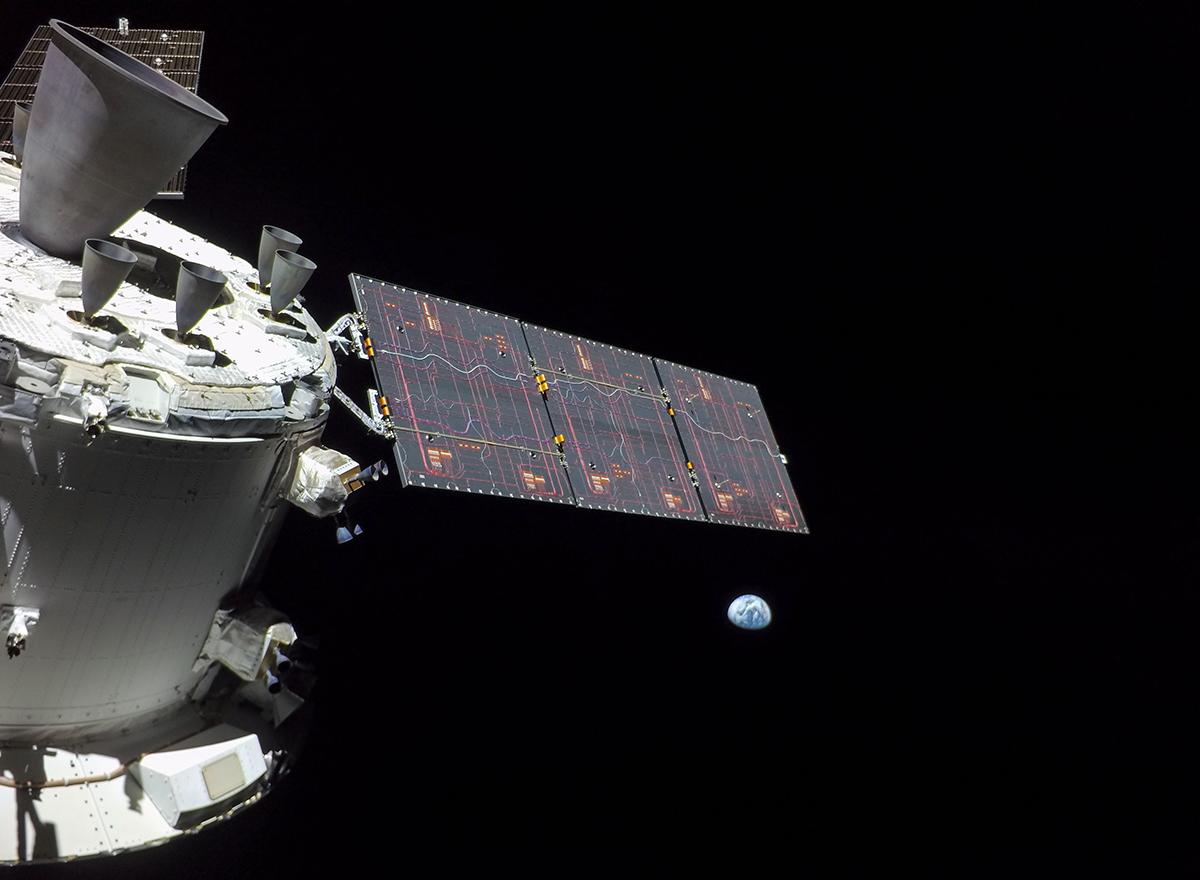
749 612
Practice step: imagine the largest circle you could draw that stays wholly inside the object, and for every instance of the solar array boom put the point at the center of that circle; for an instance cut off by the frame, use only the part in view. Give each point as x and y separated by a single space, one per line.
482 402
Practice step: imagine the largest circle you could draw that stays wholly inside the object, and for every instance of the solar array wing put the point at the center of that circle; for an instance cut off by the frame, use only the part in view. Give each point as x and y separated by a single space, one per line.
485 403
741 474
621 446
172 52
463 401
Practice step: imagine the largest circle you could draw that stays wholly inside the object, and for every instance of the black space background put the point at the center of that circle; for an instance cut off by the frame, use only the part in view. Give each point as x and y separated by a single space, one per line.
956 256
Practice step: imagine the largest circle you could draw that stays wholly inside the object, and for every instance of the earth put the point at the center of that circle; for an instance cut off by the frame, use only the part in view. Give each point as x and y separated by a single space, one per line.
749 612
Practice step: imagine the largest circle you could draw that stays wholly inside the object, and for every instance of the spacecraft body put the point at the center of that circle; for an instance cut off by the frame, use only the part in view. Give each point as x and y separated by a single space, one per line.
125 538
161 406
145 468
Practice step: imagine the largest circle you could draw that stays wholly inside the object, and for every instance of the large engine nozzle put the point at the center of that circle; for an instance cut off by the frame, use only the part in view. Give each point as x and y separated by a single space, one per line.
106 132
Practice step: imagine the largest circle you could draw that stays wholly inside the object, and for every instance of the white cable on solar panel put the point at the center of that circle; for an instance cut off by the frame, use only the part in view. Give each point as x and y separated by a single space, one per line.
568 379
726 436
451 365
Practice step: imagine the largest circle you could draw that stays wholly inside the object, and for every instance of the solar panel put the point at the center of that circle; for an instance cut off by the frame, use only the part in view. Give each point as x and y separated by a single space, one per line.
741 474
485 403
463 401
173 53
621 446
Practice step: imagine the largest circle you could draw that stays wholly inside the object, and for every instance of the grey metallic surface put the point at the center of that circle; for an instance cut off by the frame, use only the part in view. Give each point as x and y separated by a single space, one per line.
273 239
290 273
21 111
104 133
105 267
197 290
172 52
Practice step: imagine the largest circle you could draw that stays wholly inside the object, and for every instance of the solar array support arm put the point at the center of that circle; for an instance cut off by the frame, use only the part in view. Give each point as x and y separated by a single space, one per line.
378 421
357 342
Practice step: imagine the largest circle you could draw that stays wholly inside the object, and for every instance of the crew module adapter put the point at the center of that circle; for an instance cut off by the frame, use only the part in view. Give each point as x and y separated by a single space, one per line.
160 401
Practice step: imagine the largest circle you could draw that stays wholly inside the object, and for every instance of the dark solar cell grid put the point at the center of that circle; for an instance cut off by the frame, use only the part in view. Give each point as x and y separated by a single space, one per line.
725 431
462 396
484 403
622 450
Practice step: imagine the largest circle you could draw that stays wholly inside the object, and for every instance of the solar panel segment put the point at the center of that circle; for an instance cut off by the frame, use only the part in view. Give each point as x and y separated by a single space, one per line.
741 475
621 447
466 411
482 402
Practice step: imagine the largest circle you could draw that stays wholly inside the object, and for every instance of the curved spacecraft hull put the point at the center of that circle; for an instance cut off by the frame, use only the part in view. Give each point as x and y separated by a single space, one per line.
126 546
144 468
137 503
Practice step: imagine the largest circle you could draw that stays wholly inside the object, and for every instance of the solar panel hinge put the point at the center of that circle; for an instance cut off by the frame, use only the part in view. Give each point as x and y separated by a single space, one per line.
356 340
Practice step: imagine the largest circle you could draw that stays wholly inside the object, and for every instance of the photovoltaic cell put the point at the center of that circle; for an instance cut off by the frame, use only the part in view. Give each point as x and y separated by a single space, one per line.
482 402
463 401
622 450
725 431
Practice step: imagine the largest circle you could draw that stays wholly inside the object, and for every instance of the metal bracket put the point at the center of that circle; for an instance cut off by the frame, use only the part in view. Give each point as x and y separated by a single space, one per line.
356 325
94 407
378 422
15 621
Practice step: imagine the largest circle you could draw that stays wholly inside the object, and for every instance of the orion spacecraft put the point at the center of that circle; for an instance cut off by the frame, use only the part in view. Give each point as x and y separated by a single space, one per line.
162 403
